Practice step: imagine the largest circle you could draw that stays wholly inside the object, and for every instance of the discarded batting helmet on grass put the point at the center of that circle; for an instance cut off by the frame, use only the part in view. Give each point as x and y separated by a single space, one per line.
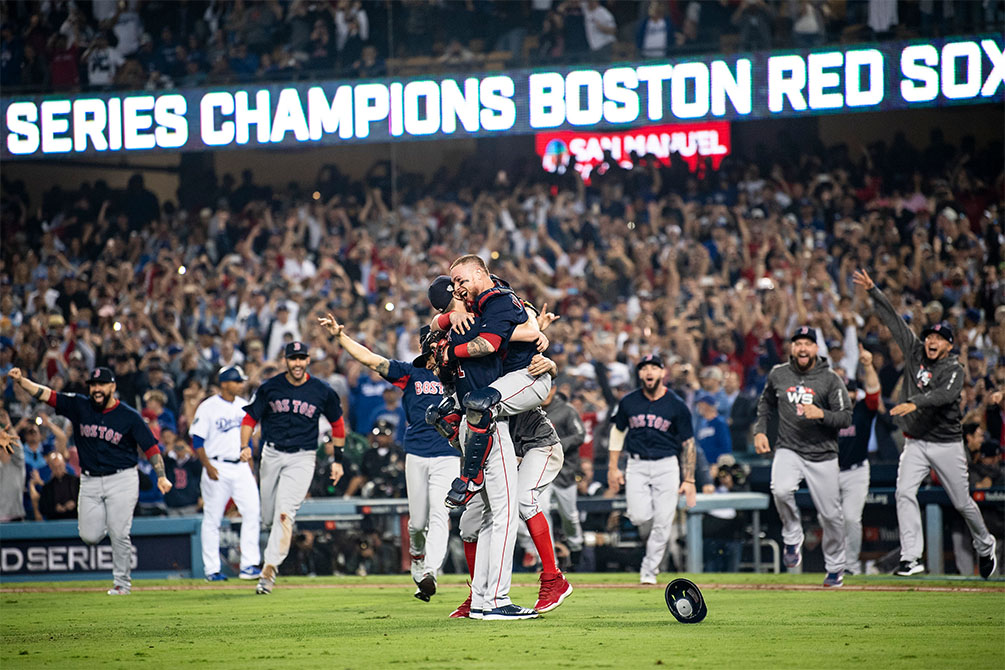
685 601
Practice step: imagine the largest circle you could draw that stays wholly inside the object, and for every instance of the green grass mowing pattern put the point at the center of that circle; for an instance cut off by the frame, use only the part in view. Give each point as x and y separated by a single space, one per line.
383 626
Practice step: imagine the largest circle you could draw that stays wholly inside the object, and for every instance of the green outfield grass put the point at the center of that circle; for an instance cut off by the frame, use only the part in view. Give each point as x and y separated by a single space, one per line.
609 622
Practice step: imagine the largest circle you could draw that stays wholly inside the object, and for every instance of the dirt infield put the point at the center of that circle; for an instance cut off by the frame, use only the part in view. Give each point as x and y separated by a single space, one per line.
712 586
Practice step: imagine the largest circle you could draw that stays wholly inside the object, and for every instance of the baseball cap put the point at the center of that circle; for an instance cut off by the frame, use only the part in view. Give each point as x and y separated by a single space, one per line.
101 375
804 332
706 398
233 373
295 349
440 293
942 329
649 359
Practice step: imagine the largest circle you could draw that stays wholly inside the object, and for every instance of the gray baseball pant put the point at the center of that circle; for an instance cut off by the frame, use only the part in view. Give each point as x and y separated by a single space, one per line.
651 496
854 485
822 479
427 480
105 506
285 479
950 463
565 502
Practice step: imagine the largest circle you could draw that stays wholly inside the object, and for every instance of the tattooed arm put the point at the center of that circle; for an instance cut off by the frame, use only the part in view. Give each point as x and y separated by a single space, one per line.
687 460
375 362
157 462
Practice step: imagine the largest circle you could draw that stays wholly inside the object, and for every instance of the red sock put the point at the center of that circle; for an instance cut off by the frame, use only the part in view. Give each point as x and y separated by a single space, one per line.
469 553
541 534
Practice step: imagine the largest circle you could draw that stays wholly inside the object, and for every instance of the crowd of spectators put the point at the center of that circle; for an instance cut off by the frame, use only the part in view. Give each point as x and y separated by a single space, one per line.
158 44
712 269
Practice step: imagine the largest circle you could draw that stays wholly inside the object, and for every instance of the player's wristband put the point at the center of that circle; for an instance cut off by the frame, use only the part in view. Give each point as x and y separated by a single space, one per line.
443 321
689 481
337 454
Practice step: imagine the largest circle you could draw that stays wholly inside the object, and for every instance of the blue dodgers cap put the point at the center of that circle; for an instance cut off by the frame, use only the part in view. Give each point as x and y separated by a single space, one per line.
943 330
233 374
440 293
101 376
804 332
296 349
706 398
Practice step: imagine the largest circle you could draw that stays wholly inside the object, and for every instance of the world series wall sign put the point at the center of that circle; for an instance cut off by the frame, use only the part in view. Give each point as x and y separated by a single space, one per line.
962 70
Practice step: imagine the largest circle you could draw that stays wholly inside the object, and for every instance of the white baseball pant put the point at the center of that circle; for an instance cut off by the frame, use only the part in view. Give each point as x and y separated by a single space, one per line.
427 481
105 506
521 391
950 463
822 479
286 477
854 485
237 481
651 496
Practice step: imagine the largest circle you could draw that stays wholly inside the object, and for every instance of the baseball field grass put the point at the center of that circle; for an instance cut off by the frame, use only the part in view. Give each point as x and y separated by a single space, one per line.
754 621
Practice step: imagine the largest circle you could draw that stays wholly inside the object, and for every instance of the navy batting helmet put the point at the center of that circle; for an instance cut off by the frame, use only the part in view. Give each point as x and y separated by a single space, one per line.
685 601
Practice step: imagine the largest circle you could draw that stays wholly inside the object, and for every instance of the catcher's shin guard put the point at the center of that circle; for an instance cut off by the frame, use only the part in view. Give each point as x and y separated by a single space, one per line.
446 419
479 406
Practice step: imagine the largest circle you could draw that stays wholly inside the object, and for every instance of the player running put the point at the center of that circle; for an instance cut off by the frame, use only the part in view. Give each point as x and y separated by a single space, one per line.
929 413
812 406
653 425
216 435
107 433
431 464
288 407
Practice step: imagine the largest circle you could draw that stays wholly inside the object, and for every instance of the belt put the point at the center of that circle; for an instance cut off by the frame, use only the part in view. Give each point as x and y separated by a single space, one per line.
287 450
640 457
104 473
225 460
855 466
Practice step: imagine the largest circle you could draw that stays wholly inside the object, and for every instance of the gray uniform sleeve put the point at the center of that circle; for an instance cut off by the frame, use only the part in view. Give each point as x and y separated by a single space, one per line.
766 404
839 413
904 336
945 390
571 430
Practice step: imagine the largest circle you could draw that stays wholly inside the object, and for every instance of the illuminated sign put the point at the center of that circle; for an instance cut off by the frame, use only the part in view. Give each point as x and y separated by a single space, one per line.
689 142
760 85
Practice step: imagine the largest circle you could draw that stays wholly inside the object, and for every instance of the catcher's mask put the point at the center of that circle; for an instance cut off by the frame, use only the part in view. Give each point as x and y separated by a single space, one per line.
685 601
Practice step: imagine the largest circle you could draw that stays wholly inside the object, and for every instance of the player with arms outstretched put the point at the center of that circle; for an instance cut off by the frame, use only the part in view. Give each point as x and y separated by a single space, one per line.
431 464
107 433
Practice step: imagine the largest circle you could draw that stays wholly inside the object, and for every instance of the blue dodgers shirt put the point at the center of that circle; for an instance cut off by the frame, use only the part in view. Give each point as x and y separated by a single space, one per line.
289 414
655 428
421 389
106 439
713 437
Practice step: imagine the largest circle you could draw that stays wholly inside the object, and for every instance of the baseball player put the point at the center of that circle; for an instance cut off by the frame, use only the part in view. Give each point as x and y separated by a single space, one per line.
431 464
853 460
929 414
488 394
813 406
288 407
107 433
654 426
216 434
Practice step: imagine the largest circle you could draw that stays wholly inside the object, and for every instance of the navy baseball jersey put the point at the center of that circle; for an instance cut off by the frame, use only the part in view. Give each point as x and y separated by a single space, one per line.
500 312
289 414
106 439
474 373
421 389
853 441
655 428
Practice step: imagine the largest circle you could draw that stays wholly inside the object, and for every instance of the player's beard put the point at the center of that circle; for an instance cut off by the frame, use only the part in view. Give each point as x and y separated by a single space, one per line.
651 386
96 404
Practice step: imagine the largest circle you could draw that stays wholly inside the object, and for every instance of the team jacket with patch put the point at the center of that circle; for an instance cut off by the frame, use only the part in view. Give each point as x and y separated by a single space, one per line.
933 386
787 391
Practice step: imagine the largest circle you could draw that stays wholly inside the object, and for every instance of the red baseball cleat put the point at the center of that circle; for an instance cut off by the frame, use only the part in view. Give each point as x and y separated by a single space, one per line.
554 590
464 610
